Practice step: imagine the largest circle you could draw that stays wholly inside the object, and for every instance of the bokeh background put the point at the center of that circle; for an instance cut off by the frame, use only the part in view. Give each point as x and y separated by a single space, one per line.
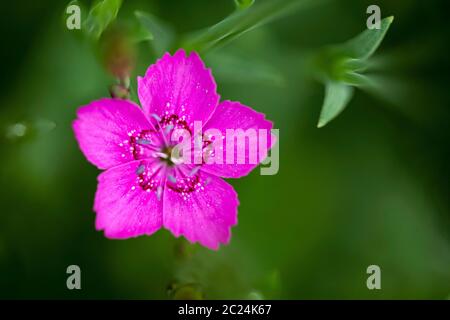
372 187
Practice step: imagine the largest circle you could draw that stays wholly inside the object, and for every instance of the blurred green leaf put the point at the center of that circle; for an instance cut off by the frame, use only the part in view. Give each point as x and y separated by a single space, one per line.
162 34
240 22
356 79
234 68
138 32
337 96
189 291
100 16
243 4
269 286
340 68
354 64
365 44
27 129
255 295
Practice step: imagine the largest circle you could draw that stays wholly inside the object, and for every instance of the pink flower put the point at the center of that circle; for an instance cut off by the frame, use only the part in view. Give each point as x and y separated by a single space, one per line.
143 187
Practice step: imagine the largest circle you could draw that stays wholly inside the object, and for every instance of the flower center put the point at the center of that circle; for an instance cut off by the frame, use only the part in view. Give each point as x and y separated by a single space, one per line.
171 155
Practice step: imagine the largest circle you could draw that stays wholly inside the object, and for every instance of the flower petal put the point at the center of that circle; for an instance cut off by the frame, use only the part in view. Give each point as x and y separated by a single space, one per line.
127 201
178 85
204 215
234 115
103 130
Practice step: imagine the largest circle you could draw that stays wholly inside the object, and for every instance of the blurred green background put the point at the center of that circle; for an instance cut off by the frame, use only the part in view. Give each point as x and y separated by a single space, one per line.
371 187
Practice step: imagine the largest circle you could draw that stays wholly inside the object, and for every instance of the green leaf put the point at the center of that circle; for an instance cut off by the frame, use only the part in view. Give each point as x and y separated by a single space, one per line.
353 64
365 44
337 96
340 68
162 34
241 22
100 16
243 4
235 68
356 79
138 32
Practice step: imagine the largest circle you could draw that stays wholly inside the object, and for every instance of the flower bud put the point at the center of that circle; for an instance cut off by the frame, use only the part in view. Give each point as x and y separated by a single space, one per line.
119 91
118 52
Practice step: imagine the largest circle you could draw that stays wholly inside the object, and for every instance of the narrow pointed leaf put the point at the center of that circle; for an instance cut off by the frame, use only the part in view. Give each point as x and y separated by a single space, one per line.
100 16
240 22
337 96
161 34
341 66
365 44
356 79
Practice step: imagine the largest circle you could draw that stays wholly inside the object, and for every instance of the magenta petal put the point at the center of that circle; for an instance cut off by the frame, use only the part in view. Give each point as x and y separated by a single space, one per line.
205 215
124 208
179 85
102 129
234 115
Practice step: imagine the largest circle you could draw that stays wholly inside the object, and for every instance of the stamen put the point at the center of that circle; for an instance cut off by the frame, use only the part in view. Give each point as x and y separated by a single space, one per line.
168 128
155 116
143 141
140 170
194 171
159 193
160 155
207 181
176 160
163 134
172 178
